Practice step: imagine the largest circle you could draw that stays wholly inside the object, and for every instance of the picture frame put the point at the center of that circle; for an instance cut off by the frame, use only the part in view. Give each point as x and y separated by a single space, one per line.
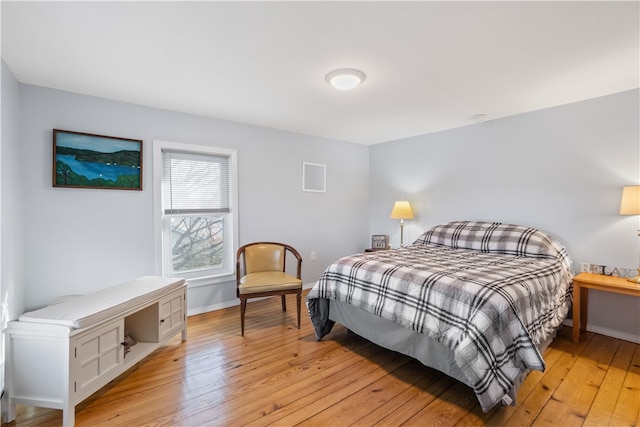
314 177
85 160
379 241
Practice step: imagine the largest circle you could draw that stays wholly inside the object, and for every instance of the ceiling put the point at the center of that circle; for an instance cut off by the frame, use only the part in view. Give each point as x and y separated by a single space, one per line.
429 66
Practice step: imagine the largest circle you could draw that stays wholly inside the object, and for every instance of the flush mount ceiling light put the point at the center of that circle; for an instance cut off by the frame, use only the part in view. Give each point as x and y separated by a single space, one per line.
345 78
477 118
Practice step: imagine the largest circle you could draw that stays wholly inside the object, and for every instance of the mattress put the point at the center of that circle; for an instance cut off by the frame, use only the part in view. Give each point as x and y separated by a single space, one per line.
86 310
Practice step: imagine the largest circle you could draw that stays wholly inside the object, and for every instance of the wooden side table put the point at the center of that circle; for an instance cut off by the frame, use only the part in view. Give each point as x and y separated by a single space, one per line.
585 281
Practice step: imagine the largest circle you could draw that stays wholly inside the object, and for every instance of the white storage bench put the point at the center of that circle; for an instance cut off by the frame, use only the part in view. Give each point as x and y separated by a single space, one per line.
61 354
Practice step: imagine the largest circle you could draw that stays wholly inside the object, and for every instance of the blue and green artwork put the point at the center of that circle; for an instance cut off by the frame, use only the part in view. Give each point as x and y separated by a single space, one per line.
93 161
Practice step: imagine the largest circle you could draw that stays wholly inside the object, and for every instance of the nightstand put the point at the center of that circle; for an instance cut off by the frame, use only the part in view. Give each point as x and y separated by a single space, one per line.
585 281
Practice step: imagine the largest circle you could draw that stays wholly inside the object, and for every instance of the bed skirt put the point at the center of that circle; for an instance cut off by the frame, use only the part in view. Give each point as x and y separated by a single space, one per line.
428 351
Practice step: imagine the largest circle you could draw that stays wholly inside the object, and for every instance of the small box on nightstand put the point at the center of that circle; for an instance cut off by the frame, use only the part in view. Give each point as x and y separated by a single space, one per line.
379 241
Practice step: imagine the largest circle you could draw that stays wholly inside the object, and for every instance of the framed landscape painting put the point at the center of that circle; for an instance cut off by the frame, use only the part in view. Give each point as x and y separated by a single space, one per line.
84 160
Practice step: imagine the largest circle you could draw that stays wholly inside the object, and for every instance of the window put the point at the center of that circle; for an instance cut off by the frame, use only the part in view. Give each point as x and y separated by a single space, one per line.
196 215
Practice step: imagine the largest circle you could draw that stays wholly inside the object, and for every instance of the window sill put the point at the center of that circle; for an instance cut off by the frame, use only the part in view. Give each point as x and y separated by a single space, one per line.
196 282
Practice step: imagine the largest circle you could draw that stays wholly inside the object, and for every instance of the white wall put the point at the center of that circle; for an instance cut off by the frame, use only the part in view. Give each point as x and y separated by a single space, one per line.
81 240
560 169
11 294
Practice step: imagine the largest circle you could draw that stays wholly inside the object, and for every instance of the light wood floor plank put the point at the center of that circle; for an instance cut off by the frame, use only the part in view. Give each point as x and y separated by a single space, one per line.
313 379
376 394
278 375
627 409
447 410
322 401
401 407
604 404
571 401
431 389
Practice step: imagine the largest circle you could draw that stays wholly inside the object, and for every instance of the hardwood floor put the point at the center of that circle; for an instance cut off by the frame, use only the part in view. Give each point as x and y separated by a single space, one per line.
280 376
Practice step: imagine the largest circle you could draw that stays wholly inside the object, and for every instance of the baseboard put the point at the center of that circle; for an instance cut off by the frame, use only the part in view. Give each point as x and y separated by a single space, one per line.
214 307
227 304
607 332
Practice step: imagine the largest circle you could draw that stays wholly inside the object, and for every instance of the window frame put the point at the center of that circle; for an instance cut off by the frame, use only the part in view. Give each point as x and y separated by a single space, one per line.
158 212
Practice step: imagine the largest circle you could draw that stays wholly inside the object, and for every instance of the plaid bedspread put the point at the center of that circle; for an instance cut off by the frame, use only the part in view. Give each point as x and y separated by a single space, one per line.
491 309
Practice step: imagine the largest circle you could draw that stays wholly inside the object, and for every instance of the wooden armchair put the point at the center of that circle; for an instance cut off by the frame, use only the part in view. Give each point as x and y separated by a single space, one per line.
264 264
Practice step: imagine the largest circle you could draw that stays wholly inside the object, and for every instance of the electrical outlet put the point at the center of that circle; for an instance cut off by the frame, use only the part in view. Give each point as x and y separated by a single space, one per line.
313 255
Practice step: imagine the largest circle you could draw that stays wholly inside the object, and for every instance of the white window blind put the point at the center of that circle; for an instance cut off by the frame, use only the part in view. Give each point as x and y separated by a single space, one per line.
194 183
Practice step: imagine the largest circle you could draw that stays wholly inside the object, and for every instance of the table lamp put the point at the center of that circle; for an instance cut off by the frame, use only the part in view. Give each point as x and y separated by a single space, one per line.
630 205
401 210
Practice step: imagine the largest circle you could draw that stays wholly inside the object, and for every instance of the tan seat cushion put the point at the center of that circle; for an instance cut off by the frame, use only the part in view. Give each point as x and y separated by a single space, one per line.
268 281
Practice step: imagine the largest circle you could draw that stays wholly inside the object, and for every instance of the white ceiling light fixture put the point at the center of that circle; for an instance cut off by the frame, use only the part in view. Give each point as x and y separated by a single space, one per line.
345 78
477 118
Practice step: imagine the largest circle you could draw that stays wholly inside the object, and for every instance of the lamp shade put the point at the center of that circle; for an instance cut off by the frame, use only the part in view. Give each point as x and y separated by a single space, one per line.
401 210
630 204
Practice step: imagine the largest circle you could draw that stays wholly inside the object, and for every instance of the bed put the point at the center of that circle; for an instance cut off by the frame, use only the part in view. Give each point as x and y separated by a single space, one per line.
479 301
